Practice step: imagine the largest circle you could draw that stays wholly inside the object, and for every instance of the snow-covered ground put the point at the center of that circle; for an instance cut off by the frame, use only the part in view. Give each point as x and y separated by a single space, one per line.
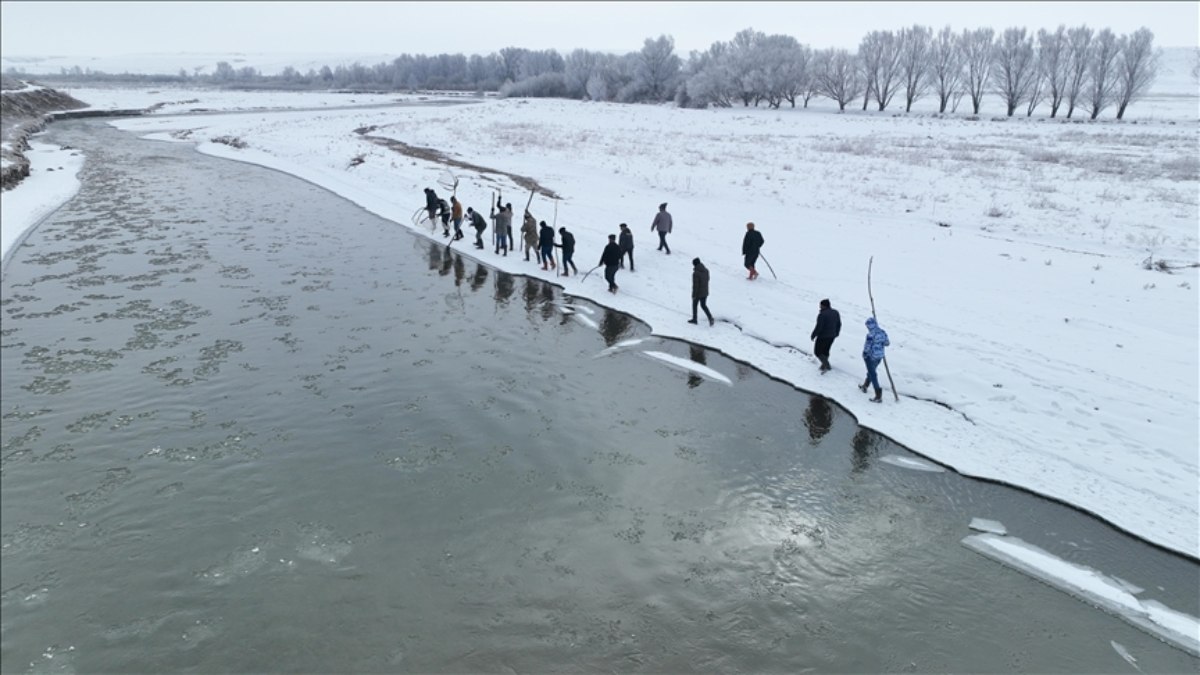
52 181
1029 344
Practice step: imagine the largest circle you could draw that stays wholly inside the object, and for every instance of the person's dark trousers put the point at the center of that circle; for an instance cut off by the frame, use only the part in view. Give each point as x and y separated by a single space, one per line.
628 251
662 242
703 304
610 275
567 261
821 350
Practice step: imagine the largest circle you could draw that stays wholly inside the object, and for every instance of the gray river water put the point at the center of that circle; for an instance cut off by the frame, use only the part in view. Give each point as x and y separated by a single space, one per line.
248 426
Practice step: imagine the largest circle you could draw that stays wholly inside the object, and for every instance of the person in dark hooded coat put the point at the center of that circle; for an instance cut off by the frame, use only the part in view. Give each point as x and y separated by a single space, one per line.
700 290
611 259
751 243
546 245
568 249
829 326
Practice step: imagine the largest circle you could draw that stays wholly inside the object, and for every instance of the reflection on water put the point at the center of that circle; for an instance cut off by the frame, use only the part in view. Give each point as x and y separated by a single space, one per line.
237 441
818 417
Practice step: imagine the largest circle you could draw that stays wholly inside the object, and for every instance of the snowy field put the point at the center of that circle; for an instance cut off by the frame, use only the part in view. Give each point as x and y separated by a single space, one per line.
1029 343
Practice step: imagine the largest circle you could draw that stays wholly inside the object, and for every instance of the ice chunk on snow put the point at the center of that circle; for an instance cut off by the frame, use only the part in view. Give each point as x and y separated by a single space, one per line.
623 344
1094 587
586 321
984 525
911 463
565 310
1120 649
691 366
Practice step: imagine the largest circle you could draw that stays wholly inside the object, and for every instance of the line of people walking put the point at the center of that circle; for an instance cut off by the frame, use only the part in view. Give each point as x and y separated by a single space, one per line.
539 238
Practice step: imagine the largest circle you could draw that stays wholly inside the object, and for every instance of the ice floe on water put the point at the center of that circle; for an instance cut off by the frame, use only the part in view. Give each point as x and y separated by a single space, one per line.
911 463
576 308
690 366
1120 649
585 320
620 346
985 525
1094 587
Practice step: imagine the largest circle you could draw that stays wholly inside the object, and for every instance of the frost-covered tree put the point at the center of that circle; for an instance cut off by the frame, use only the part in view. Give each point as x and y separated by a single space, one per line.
744 65
946 66
1079 46
914 63
1101 73
1136 68
708 80
1053 57
839 75
796 73
510 61
578 68
658 68
534 63
782 69
977 48
880 52
1013 68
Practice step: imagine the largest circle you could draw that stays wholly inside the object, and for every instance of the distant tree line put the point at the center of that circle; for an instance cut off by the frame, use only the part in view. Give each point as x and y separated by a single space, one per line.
1068 69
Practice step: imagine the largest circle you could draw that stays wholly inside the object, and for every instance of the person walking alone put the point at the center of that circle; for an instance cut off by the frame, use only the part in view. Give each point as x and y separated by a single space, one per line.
662 225
568 249
700 290
611 259
876 340
751 243
829 326
625 240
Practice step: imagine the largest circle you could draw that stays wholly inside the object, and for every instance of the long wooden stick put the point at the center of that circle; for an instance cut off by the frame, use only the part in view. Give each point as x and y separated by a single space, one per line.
554 224
887 370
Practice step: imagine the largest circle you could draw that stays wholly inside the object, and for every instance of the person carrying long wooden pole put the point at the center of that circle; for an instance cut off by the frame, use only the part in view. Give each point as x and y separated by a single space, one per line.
873 349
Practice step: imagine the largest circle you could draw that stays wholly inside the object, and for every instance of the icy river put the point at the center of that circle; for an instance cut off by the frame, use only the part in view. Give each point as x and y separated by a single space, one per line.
248 426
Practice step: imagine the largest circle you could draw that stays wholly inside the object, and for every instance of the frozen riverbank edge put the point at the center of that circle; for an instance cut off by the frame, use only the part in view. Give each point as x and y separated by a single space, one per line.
1149 508
777 360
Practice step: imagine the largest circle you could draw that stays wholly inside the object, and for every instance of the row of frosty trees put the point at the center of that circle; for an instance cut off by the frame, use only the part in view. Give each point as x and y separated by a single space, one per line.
1072 67
1068 67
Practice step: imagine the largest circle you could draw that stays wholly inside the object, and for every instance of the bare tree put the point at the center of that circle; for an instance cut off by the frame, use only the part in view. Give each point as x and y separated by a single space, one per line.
839 75
510 59
1013 69
1196 64
797 74
1136 68
578 68
914 63
945 66
658 68
1037 87
1102 67
881 53
977 47
1053 59
709 80
1079 45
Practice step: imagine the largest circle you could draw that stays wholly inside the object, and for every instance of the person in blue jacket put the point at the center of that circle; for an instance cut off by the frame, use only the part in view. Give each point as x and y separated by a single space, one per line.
877 339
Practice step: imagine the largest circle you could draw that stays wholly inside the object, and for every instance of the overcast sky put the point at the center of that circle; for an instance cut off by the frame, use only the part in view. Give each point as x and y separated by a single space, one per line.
114 28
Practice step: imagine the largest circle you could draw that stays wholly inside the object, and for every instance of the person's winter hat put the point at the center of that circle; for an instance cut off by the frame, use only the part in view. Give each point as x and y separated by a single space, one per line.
662 205
562 230
695 261
612 237
624 226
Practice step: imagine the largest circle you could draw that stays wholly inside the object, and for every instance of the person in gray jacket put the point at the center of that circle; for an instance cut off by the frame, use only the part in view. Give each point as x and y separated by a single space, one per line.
503 226
662 225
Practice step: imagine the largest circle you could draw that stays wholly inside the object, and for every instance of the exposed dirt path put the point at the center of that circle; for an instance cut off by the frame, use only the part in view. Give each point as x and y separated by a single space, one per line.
431 155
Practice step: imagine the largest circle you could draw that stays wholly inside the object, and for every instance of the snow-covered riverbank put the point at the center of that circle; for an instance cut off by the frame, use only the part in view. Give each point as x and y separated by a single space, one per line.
1029 344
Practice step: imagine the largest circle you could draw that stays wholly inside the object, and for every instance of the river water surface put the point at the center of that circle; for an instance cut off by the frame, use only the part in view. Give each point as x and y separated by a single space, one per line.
248 426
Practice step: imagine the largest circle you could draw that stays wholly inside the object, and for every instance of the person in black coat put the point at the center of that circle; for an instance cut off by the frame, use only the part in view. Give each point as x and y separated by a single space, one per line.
611 259
751 243
700 290
625 240
829 326
431 205
568 249
479 224
546 246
